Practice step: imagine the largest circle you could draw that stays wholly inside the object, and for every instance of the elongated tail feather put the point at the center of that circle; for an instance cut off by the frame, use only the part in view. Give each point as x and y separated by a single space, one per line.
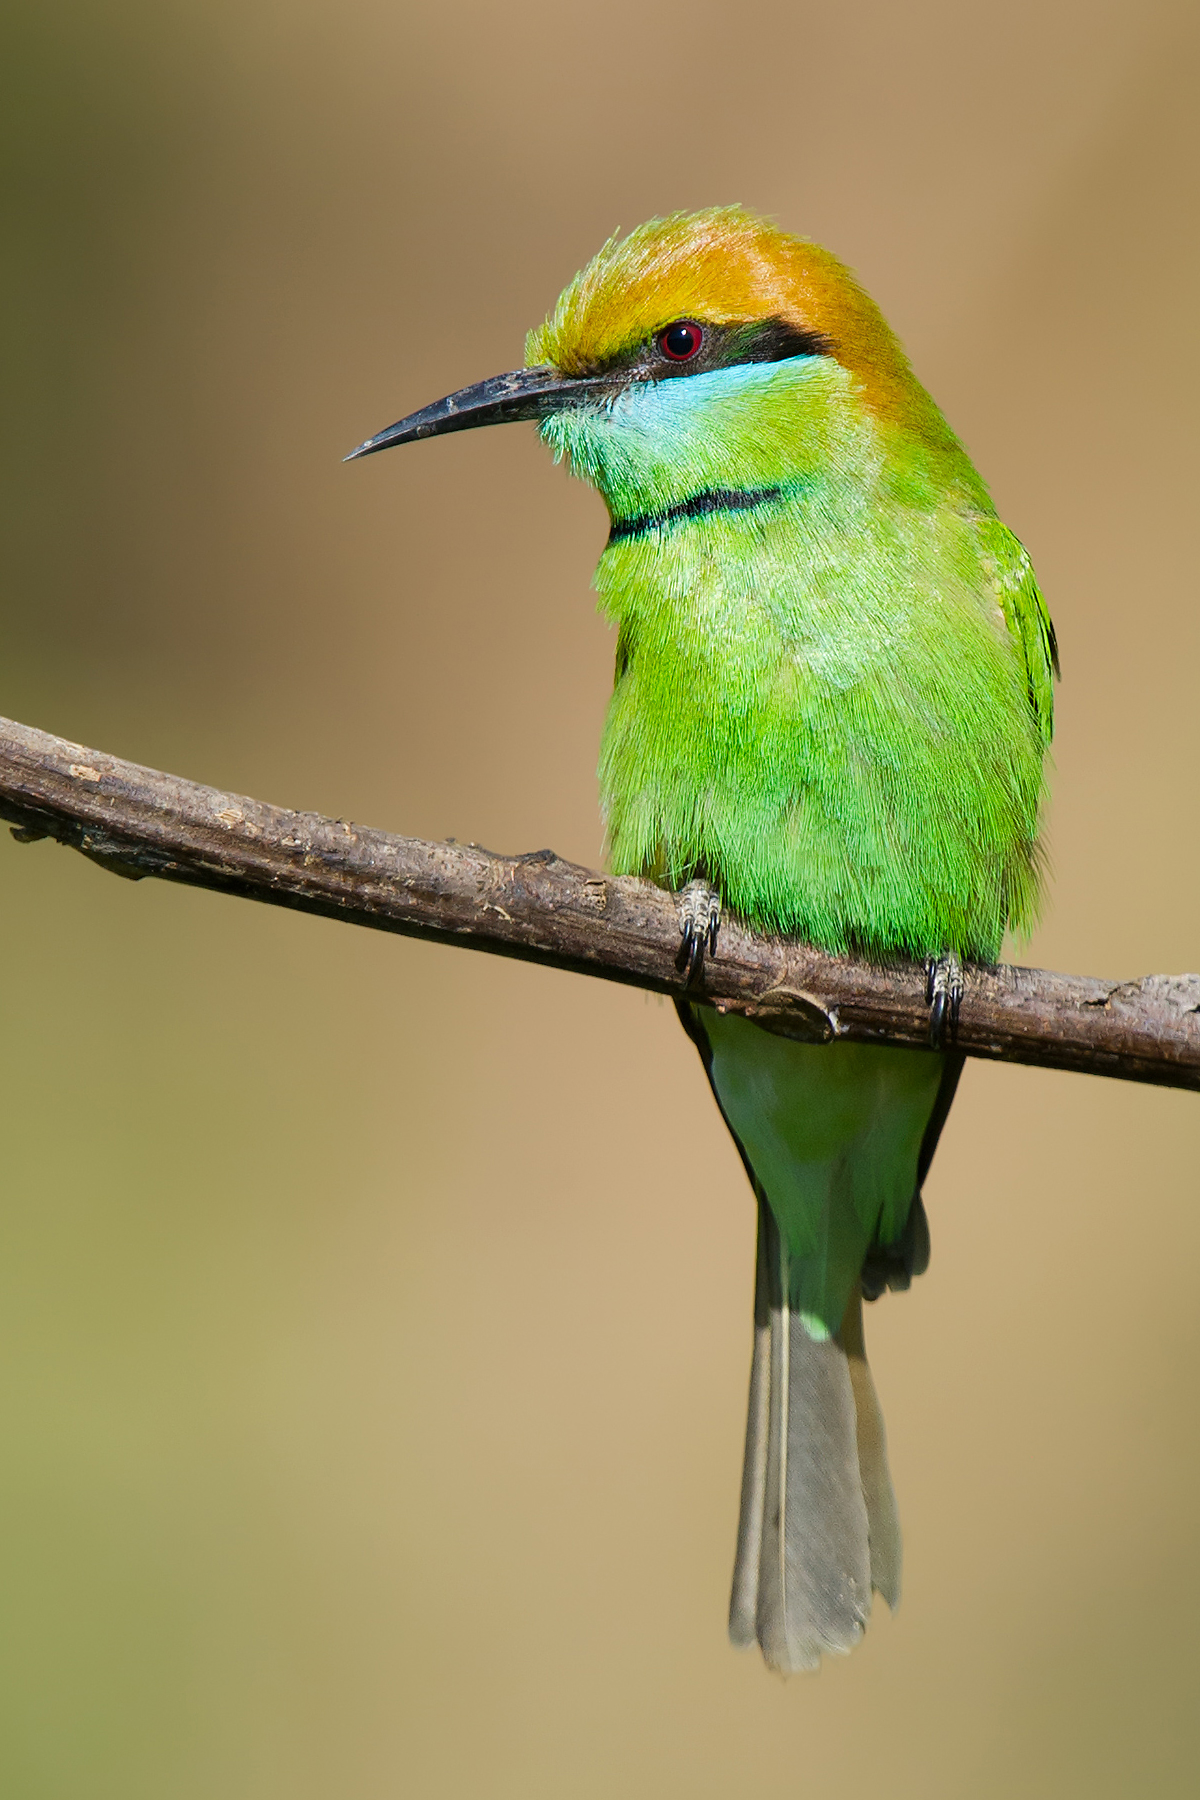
847 1135
743 1601
817 1515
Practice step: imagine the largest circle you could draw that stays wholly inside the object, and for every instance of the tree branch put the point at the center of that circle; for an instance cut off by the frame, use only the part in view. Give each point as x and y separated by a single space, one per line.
140 822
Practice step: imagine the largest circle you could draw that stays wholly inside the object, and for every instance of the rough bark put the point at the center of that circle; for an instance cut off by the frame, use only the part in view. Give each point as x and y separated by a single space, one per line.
536 907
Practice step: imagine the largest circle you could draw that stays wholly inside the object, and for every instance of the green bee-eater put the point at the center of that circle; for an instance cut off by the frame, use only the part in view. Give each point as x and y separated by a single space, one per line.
833 698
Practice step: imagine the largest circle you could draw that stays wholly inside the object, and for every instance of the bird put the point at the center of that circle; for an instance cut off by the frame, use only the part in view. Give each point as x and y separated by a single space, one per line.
832 703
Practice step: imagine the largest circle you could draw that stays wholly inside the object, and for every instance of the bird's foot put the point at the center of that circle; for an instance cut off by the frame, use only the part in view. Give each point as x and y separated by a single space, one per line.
699 923
943 995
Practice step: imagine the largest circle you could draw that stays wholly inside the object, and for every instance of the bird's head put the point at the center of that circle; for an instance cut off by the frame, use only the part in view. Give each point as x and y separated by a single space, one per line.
706 352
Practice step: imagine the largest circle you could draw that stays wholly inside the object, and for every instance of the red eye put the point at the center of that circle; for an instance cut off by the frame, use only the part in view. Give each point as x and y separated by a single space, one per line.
681 341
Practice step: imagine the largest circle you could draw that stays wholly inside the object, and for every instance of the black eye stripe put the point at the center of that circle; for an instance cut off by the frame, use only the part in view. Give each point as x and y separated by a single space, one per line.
721 347
774 340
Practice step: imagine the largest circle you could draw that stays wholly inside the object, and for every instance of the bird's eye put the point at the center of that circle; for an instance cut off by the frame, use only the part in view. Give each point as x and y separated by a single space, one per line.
681 341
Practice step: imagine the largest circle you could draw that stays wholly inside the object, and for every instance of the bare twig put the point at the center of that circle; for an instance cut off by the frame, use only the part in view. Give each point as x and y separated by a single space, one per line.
140 822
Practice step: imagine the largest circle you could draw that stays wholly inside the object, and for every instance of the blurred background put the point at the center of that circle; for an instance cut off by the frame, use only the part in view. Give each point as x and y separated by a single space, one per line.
374 1317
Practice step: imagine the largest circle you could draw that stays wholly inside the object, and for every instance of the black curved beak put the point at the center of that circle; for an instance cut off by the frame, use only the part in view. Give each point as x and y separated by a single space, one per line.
502 399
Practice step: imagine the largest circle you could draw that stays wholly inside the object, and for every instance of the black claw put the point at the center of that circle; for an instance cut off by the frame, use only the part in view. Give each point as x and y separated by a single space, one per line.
691 953
937 1020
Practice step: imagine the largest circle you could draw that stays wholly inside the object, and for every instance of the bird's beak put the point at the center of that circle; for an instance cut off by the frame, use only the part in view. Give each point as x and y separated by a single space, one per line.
523 394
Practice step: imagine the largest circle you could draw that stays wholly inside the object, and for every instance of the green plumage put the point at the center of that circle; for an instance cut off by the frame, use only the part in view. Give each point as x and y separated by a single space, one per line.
839 1175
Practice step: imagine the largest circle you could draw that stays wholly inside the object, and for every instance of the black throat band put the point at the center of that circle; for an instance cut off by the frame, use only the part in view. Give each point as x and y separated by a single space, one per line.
716 500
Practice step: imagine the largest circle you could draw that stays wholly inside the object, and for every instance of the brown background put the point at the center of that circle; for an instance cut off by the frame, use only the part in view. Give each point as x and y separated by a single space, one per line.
374 1319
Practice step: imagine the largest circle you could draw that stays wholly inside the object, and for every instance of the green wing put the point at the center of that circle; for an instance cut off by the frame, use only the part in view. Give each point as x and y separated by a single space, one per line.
1027 619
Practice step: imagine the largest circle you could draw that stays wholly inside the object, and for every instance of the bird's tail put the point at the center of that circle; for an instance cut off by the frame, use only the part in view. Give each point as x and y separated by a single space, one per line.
818 1529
